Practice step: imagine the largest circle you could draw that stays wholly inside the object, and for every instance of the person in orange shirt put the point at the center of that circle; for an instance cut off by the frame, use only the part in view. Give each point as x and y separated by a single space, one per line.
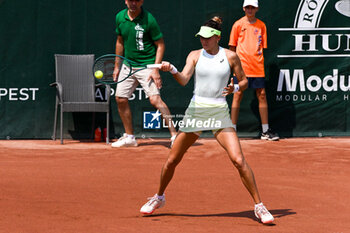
248 39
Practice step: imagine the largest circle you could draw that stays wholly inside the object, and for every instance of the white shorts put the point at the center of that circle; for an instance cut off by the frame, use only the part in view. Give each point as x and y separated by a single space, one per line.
204 114
128 86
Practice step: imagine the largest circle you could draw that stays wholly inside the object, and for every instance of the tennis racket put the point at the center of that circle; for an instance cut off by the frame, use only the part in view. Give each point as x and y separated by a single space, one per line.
105 65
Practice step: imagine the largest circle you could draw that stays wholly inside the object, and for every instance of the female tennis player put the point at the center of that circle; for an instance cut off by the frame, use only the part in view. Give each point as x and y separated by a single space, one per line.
212 67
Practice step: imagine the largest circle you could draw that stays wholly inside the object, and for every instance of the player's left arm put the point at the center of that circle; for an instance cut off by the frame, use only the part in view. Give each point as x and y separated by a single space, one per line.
236 67
239 72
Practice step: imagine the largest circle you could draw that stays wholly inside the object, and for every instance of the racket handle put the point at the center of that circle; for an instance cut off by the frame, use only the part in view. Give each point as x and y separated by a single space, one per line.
154 66
173 69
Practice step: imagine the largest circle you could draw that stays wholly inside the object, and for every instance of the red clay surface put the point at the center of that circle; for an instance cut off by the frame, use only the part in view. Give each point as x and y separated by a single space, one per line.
87 187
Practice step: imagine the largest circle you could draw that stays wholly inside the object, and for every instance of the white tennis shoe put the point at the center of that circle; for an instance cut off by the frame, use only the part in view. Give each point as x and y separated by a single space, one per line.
125 141
263 214
153 204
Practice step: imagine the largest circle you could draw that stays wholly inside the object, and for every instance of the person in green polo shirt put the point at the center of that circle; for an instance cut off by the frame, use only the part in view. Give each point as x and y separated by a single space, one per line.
139 39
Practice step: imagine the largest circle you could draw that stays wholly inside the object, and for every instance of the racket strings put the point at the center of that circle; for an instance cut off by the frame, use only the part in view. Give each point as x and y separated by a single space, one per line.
106 64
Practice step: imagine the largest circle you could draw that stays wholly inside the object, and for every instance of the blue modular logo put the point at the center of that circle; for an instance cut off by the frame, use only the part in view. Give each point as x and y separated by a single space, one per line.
151 120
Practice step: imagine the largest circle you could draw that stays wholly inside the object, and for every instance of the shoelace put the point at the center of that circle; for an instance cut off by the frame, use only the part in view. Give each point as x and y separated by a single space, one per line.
153 201
262 210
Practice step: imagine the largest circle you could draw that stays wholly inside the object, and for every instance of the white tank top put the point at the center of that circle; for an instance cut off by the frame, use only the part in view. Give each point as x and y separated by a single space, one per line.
212 73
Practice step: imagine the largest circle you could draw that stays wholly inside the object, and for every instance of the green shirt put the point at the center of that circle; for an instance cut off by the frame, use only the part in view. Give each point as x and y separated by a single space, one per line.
138 36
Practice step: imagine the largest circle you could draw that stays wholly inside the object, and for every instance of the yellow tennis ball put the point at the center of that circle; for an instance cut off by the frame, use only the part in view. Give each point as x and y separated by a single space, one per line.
98 74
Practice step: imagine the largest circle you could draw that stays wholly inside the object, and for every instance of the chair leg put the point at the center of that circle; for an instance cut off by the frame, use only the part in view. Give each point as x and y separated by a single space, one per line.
55 122
107 128
61 126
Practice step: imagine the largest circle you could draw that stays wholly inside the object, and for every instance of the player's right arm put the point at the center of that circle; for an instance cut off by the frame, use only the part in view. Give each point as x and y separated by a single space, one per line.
119 50
185 75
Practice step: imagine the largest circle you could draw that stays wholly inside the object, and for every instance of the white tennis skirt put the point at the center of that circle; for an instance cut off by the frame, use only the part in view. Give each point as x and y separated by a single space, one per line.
204 114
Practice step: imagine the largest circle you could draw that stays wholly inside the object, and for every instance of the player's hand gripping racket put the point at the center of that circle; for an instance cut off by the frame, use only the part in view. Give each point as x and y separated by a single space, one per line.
112 68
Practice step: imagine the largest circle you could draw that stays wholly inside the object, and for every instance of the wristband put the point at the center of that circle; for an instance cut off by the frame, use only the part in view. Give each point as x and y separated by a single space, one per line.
173 69
235 88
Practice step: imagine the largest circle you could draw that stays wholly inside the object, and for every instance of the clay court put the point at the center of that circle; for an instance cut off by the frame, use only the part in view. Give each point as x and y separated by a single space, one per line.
90 187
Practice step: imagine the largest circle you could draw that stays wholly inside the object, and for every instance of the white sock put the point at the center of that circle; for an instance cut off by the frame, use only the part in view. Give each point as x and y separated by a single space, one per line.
160 197
258 204
235 127
265 127
131 136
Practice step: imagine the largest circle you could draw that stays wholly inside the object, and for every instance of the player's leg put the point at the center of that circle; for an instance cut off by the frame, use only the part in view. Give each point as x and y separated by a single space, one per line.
123 93
228 139
182 143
